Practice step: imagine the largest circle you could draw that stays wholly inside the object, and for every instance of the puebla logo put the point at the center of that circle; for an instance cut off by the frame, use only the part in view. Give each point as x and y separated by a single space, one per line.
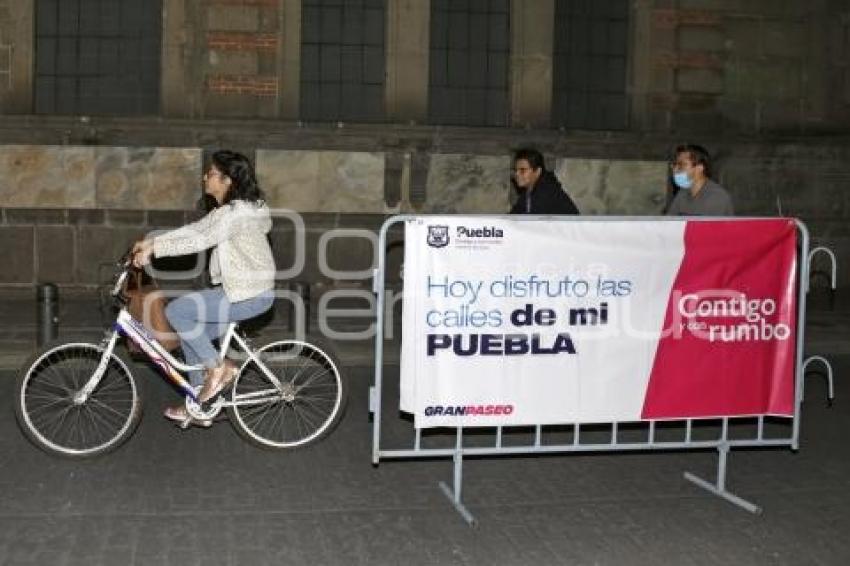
485 232
438 236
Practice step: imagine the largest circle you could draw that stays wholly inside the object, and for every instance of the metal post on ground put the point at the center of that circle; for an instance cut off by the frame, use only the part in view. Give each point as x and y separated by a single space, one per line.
47 313
719 488
454 495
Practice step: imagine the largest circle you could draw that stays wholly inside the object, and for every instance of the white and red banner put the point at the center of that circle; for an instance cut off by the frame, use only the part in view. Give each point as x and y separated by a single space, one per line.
510 322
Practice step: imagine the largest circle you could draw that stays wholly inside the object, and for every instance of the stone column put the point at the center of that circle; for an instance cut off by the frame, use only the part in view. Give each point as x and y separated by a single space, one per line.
532 43
289 59
17 45
408 43
639 80
179 66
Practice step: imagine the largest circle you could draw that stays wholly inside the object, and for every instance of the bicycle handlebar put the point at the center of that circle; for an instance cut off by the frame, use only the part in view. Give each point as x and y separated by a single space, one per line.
126 264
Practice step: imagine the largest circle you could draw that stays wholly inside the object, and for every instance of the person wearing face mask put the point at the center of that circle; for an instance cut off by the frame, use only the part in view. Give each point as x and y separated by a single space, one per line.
538 190
698 195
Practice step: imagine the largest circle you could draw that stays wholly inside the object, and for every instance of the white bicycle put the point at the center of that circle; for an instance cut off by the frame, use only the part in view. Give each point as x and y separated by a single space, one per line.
81 399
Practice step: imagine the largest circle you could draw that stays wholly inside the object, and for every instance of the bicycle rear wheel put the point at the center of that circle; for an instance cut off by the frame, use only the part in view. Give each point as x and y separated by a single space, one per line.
56 418
307 407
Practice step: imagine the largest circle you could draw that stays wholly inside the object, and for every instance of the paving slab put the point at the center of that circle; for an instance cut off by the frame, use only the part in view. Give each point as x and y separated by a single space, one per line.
206 497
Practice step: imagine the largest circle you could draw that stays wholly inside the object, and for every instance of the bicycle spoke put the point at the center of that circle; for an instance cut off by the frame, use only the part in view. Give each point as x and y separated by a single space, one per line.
60 422
306 406
313 376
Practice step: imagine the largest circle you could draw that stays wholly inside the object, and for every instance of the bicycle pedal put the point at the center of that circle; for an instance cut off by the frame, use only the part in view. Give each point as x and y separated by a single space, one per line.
203 423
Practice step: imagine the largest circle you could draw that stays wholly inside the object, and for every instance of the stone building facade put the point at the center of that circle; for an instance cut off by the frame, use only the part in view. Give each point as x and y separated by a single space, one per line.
764 84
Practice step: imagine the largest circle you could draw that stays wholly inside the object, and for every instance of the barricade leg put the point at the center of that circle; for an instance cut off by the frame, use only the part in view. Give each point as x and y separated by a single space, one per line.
454 494
719 488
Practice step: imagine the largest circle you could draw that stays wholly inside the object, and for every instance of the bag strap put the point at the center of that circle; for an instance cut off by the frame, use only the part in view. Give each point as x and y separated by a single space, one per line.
136 277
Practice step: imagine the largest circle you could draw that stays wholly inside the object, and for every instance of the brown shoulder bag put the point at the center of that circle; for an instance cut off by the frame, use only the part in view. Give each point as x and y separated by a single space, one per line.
146 303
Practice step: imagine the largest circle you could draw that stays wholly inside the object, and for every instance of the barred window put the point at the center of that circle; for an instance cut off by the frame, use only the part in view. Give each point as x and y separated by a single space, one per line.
589 64
468 65
342 60
97 56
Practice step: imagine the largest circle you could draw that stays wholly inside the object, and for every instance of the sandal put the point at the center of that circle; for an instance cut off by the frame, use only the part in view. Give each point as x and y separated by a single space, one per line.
182 418
217 379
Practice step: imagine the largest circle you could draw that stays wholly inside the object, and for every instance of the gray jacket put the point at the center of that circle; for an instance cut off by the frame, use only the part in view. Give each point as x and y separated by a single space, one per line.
712 200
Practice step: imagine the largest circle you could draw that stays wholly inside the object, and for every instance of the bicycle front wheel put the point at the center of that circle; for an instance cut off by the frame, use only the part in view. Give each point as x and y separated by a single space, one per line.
307 406
56 416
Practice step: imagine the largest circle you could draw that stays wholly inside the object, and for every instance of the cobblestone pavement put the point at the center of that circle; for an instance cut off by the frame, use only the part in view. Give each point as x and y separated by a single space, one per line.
206 497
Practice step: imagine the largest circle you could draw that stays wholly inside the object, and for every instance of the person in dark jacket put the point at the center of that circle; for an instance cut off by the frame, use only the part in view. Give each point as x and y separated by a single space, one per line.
539 191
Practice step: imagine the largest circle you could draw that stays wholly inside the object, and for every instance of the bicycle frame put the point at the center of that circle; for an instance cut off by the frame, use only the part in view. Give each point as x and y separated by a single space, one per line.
172 368
128 326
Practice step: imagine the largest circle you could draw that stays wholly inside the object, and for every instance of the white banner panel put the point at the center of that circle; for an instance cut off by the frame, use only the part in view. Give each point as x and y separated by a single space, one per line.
523 322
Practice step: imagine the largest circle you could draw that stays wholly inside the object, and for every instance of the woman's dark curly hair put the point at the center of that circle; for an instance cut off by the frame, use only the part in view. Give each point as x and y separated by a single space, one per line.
243 180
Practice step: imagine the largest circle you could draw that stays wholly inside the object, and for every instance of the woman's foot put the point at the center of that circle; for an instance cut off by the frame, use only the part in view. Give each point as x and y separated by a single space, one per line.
181 416
216 380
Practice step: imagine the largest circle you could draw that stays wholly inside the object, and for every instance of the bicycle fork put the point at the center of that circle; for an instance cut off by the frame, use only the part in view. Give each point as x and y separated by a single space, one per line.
81 396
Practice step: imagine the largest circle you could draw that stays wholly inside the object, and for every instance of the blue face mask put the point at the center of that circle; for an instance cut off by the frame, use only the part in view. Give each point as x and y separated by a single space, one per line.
682 180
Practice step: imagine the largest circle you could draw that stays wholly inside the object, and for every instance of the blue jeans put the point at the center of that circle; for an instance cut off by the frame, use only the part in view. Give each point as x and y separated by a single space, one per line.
203 316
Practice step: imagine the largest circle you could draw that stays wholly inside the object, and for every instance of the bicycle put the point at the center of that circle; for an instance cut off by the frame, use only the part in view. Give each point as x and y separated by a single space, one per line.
80 399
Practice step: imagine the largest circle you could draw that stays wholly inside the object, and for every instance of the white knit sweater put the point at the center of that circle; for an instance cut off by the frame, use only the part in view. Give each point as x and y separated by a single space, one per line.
242 260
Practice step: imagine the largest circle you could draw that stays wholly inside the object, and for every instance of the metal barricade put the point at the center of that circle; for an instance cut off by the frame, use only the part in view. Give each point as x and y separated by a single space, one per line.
720 433
833 279
833 265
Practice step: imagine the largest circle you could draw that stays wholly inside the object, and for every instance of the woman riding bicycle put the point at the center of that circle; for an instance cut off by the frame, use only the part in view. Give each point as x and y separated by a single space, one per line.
241 269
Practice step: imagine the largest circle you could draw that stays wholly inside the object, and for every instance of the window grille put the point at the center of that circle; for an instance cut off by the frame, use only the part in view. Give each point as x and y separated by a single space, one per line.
97 56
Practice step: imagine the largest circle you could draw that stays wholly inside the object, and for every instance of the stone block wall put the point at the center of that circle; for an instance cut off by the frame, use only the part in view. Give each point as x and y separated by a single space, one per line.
93 177
69 209
323 181
614 187
743 66
78 248
68 213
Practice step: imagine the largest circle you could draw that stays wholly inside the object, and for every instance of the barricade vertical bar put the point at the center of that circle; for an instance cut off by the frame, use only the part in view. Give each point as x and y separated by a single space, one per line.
577 430
614 433
498 436
801 324
455 495
761 428
723 451
652 432
378 289
688 424
537 433
417 439
458 467
378 285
